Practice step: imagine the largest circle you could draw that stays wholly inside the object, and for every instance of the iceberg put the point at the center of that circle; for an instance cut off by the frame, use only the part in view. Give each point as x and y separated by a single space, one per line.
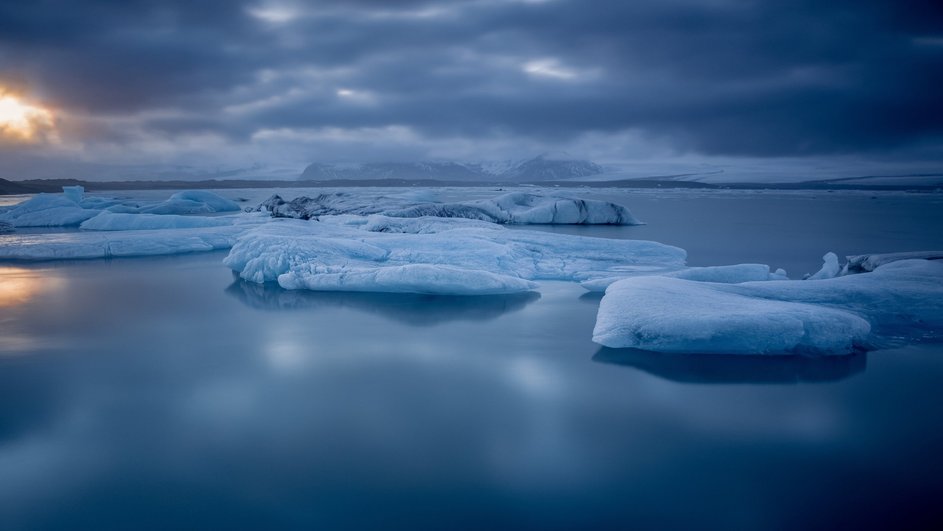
5 227
109 221
514 208
71 208
838 315
192 202
448 257
47 210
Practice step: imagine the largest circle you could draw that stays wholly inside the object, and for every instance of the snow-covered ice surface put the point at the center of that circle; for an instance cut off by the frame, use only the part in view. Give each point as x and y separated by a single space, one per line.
513 208
898 301
430 255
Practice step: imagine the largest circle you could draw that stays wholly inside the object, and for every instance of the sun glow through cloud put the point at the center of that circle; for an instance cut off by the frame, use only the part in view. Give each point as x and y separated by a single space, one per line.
22 122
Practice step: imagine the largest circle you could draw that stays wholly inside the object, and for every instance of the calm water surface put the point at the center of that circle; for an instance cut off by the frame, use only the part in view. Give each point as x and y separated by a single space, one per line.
163 393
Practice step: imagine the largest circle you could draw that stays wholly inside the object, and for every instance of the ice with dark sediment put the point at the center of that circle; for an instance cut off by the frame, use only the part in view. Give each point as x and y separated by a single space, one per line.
511 208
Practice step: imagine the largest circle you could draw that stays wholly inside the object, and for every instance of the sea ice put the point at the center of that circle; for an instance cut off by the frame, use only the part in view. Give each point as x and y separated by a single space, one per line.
517 207
828 316
435 256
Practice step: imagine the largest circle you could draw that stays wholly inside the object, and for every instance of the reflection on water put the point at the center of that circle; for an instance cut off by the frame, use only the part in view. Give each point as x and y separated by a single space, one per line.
18 285
408 308
727 369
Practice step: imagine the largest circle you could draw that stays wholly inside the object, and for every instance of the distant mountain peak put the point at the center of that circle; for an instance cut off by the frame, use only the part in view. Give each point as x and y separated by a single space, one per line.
549 166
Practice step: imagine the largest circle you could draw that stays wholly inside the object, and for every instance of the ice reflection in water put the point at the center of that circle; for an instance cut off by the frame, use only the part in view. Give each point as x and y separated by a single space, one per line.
729 369
408 308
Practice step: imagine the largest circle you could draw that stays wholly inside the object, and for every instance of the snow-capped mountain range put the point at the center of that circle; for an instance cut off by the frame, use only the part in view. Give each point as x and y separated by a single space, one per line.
545 167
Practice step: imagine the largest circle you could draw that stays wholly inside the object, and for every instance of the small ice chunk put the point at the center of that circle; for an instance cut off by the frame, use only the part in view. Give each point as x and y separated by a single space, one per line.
830 269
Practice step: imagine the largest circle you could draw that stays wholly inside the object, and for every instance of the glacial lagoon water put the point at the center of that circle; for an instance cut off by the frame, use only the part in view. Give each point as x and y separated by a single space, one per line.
164 393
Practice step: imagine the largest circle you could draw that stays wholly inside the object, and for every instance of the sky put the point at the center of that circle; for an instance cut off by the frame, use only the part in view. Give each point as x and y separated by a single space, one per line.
230 83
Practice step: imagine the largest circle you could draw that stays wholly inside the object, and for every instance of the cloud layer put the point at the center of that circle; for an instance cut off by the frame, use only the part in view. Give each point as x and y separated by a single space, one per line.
366 79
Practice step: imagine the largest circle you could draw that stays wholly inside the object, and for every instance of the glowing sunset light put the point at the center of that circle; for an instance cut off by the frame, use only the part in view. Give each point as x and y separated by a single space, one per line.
22 122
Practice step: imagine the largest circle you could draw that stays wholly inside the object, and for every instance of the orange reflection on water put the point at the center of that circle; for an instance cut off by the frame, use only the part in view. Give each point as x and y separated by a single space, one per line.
18 285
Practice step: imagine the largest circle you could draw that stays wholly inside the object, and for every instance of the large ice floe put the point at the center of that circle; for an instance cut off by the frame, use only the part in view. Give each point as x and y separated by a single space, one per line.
431 255
837 315
514 208
109 244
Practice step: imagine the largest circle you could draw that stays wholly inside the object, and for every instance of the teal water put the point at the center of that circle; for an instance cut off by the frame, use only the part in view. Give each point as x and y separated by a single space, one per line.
163 393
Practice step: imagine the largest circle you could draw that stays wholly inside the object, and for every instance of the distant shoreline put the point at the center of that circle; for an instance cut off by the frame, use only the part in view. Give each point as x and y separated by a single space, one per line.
55 185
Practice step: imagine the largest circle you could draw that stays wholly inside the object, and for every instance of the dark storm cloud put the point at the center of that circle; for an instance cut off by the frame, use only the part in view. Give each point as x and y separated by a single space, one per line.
719 77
